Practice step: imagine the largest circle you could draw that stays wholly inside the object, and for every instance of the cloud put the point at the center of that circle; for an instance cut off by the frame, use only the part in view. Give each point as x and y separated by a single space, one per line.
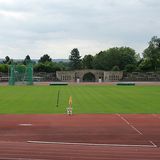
56 26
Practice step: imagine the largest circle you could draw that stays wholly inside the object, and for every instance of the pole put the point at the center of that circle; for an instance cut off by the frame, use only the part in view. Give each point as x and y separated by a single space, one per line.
58 98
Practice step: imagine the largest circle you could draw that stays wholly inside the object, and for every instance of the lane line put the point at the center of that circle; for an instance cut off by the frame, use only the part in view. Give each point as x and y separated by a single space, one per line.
4 158
25 125
92 144
153 144
134 128
154 115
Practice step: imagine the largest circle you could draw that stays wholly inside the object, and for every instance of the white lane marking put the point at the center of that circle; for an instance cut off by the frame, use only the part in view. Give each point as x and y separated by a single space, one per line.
92 144
153 144
18 158
25 125
134 128
154 115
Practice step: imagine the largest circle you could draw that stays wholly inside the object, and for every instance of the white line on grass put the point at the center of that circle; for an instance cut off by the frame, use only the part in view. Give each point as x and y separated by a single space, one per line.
93 144
134 128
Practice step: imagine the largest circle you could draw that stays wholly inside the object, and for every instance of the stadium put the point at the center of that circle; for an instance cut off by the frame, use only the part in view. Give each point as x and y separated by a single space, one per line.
108 119
79 80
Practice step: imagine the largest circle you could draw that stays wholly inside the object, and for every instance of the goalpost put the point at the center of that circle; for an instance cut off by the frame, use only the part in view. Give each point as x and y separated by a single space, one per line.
20 75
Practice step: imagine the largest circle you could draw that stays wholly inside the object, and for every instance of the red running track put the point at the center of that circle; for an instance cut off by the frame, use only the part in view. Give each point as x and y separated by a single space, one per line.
80 137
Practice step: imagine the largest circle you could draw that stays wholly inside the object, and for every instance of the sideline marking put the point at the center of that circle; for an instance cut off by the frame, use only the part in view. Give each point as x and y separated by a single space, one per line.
93 144
25 125
134 128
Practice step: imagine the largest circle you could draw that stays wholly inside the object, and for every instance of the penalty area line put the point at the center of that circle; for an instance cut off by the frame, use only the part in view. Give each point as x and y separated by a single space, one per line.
93 144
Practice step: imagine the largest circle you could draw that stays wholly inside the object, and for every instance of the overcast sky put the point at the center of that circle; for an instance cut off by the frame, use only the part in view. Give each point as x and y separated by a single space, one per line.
55 27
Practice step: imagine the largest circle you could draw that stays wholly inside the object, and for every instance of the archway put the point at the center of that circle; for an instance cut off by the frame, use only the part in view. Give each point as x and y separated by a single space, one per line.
89 77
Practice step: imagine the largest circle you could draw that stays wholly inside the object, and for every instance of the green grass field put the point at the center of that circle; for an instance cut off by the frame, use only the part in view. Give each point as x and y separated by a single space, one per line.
86 99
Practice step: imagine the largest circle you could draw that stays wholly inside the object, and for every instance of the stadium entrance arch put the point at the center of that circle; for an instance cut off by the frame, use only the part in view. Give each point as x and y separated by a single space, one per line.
89 77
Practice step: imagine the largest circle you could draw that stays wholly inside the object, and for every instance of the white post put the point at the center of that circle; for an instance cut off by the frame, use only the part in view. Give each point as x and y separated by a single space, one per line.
100 80
78 80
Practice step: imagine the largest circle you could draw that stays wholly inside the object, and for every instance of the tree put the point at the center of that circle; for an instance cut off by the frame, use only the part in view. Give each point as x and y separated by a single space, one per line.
152 53
21 68
45 58
115 68
49 67
87 62
75 59
4 68
145 65
120 57
7 60
130 68
128 56
27 60
63 65
99 61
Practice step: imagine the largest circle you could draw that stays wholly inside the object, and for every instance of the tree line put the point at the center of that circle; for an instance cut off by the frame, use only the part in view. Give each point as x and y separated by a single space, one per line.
113 59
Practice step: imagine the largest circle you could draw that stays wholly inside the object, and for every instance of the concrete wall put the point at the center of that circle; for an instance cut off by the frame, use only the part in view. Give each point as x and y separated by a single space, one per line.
66 76
72 76
113 76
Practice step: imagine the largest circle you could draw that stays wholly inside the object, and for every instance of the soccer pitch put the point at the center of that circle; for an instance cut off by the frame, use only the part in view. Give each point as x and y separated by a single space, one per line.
86 99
